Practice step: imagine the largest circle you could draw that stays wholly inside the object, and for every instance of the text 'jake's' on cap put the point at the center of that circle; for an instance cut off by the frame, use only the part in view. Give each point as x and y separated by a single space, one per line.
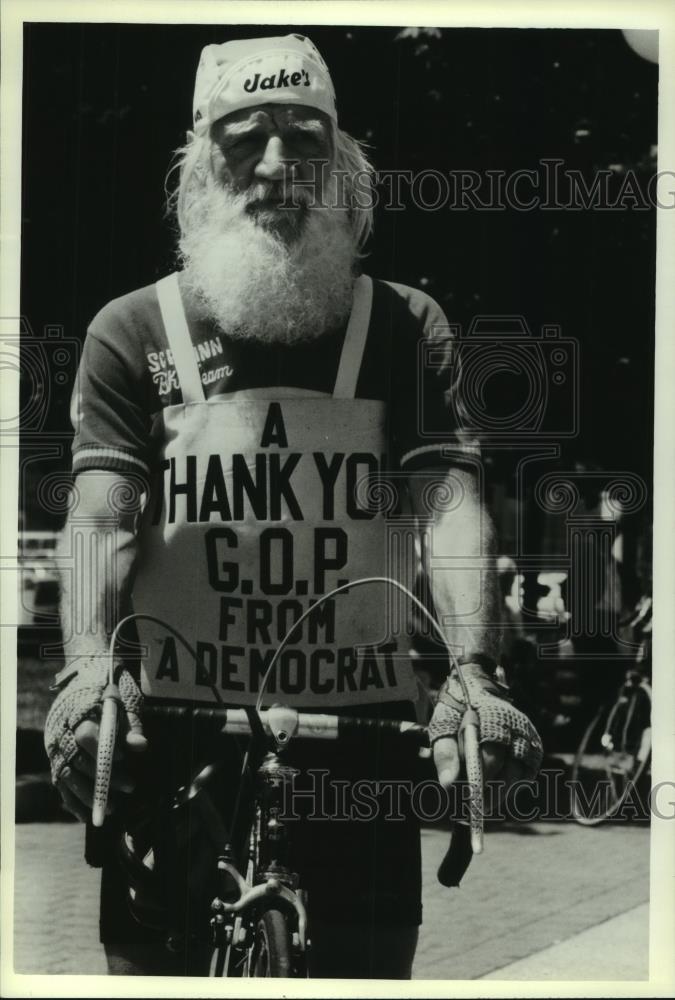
252 71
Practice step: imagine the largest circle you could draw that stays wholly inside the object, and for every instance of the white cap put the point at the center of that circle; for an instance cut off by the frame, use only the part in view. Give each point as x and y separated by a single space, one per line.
253 71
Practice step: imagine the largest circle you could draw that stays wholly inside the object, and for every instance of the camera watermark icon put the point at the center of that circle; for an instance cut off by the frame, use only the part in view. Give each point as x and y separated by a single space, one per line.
508 384
46 364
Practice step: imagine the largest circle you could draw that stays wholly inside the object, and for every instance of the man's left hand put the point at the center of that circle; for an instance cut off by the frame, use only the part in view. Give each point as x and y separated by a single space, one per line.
510 745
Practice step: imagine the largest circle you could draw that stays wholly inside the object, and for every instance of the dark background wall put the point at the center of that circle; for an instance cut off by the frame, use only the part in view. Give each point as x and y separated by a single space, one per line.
104 106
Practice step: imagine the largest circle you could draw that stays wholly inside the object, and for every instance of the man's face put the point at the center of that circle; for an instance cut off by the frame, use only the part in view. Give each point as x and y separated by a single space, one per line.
268 253
262 152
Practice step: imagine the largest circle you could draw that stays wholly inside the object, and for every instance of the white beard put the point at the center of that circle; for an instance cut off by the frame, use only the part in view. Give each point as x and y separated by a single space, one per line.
256 286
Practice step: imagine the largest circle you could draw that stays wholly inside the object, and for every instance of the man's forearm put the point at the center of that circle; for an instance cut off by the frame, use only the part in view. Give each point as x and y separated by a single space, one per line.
460 554
97 553
95 586
466 594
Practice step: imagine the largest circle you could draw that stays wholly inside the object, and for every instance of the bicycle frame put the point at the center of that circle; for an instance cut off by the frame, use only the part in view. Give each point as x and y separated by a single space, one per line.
269 882
270 879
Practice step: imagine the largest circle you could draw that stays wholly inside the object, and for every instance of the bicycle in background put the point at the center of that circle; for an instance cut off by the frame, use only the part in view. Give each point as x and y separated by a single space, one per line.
613 760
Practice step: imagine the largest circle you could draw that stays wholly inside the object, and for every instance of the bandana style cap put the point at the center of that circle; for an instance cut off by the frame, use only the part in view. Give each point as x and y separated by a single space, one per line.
253 71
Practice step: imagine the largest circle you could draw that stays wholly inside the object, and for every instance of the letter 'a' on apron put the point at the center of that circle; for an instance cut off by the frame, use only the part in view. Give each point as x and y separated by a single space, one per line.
243 533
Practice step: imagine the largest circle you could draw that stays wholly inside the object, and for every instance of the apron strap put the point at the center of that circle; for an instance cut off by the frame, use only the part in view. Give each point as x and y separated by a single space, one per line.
355 340
179 339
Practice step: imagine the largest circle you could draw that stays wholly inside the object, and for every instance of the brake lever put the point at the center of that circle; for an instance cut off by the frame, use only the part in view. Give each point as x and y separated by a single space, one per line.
466 839
457 858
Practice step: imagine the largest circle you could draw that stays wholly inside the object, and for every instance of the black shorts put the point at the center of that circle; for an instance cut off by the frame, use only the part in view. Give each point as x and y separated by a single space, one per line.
355 842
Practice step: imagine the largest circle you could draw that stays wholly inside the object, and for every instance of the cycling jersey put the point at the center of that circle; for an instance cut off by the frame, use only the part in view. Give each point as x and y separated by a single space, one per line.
127 376
273 478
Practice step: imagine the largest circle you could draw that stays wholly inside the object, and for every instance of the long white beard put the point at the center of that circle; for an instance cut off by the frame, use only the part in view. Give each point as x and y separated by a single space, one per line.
253 284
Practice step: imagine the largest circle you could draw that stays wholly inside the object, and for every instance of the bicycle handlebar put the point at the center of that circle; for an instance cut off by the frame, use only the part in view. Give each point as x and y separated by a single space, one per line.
284 723
469 729
306 725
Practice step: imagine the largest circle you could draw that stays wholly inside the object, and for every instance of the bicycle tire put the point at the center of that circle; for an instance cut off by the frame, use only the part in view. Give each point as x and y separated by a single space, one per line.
613 755
272 949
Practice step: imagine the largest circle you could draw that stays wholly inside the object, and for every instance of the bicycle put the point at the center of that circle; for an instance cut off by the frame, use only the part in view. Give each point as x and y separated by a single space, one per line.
614 755
258 914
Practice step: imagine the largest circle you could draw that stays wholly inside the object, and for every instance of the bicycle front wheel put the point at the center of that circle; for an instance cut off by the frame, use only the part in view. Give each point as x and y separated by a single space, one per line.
272 951
613 755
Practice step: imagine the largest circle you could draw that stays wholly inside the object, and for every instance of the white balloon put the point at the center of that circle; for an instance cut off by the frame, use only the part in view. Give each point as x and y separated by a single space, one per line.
644 43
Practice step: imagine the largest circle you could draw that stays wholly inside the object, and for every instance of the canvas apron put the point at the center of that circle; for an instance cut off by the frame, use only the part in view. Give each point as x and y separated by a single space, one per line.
264 500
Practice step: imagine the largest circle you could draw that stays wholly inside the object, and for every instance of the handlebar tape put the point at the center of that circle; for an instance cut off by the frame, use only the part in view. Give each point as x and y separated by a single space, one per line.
345 723
104 756
470 730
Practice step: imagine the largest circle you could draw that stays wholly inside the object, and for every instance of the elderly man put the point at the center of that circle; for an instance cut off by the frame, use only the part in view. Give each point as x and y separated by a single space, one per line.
226 420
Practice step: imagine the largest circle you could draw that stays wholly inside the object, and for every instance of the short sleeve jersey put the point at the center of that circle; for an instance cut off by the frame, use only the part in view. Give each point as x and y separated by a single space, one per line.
127 376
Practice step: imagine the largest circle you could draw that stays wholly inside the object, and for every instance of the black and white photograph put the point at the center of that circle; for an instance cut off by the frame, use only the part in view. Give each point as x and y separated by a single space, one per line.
337 362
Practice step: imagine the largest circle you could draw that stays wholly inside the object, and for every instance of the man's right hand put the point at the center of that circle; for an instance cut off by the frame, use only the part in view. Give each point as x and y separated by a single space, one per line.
72 727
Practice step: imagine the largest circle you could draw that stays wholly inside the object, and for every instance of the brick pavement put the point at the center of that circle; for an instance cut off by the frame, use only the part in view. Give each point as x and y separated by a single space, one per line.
531 888
617 949
55 902
528 890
